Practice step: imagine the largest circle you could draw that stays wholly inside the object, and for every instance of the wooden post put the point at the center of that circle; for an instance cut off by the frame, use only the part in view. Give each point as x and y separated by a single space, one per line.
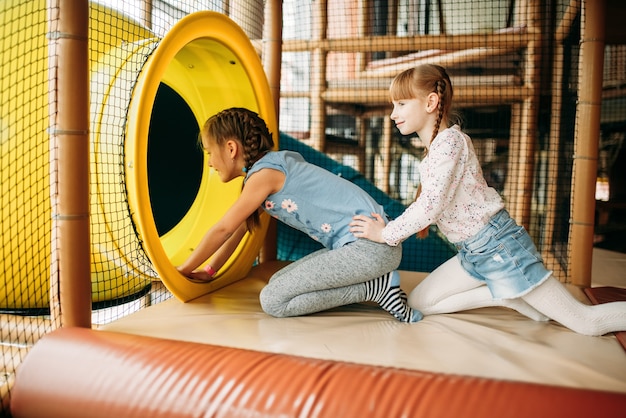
69 167
318 76
524 158
554 145
272 51
586 141
385 152
146 13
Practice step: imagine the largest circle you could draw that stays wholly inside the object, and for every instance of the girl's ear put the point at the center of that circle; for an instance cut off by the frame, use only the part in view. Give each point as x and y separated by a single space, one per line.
232 147
432 102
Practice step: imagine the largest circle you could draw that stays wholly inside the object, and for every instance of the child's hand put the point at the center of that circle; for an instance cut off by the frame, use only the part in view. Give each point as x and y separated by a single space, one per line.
197 276
200 276
369 228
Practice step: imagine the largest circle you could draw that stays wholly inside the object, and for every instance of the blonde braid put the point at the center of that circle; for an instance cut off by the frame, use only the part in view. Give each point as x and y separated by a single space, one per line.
418 82
440 88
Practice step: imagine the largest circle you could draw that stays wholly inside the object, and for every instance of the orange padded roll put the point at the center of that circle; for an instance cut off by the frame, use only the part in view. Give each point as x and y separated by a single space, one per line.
77 372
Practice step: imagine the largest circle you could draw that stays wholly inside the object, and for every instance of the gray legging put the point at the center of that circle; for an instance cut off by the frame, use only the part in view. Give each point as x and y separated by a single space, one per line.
328 278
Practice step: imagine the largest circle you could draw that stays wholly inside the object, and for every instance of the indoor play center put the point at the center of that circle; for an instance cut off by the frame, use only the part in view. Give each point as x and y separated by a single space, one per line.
106 190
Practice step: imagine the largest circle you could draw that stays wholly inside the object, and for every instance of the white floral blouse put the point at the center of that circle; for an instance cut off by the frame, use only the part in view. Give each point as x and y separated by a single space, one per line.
454 196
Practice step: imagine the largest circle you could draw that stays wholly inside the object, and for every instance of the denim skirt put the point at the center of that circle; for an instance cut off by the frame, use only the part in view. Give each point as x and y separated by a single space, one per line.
503 255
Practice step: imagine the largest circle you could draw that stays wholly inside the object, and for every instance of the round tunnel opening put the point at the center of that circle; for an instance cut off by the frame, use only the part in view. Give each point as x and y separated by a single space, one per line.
175 159
194 60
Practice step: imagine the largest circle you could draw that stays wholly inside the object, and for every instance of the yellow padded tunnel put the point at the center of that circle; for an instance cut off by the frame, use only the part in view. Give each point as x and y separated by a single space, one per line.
25 230
205 63
152 194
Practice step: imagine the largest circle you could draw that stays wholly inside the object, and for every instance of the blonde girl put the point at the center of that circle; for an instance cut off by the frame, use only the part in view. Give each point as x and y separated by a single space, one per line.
497 263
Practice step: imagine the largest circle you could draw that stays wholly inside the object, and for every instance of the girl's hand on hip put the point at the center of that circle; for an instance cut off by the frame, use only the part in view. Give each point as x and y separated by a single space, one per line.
370 228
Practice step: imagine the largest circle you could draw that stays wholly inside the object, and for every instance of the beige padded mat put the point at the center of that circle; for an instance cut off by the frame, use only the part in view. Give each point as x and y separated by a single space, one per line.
491 342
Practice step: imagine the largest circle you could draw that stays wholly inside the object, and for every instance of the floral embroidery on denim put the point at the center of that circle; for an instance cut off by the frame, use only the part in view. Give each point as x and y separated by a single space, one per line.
289 205
326 228
269 205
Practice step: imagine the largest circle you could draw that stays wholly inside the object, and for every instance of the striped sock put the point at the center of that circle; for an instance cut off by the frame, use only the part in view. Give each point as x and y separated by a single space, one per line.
385 290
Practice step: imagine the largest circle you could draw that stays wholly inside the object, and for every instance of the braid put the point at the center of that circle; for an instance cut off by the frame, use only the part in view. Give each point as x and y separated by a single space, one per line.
256 139
247 128
419 82
440 88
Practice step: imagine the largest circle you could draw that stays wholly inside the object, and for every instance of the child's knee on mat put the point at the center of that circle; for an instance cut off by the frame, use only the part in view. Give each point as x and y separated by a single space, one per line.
269 304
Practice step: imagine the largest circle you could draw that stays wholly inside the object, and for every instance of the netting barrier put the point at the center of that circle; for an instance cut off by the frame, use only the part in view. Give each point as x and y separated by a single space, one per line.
158 69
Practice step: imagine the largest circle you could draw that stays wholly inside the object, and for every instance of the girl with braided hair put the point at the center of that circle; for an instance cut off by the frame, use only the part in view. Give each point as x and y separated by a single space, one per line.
306 197
497 263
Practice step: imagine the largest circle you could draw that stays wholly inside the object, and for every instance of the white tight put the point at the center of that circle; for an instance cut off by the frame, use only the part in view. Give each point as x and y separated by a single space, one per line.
449 288
553 299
